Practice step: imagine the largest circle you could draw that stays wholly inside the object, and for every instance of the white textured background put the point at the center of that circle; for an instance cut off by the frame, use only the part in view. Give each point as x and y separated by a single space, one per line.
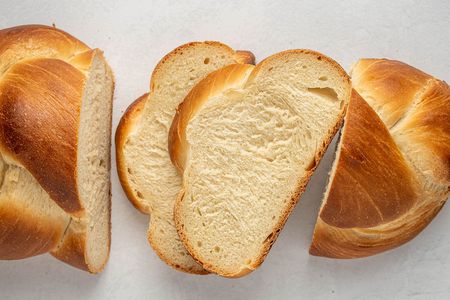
135 35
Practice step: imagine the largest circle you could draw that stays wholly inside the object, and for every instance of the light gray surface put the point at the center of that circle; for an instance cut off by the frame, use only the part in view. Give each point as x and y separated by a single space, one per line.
135 35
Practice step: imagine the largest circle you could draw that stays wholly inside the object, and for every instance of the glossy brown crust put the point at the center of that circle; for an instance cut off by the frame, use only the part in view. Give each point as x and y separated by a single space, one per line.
427 128
43 79
389 86
419 117
373 184
334 242
23 234
37 75
128 121
126 124
32 93
245 57
30 41
187 111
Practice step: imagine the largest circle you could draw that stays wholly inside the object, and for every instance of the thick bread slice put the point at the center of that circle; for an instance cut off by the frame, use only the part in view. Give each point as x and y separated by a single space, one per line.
87 240
248 143
55 124
391 173
149 179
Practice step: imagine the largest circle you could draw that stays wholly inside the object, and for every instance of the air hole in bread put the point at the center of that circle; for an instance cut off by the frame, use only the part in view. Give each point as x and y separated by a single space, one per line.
203 224
206 61
199 243
268 238
270 69
248 261
198 211
304 67
217 249
323 78
311 165
325 93
182 253
139 194
129 171
102 163
273 217
161 231
319 57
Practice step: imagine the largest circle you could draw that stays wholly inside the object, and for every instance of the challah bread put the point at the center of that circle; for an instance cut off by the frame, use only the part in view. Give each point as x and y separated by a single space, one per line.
247 140
391 175
149 179
55 125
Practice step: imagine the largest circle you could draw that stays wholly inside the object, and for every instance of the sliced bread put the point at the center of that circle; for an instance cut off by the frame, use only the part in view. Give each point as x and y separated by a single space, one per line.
247 140
149 179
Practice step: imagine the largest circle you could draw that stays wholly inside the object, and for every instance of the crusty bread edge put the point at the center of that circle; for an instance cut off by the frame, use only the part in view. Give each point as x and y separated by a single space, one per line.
74 251
130 119
295 196
126 124
134 110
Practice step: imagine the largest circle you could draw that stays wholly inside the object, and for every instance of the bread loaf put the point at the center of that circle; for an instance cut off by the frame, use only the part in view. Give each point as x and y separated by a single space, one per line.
145 171
247 140
55 125
391 175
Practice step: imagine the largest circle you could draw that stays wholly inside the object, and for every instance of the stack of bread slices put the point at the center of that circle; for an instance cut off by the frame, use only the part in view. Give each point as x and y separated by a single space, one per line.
221 149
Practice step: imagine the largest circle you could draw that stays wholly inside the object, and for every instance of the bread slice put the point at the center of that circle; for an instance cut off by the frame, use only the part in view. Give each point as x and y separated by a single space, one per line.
145 171
55 138
391 174
248 139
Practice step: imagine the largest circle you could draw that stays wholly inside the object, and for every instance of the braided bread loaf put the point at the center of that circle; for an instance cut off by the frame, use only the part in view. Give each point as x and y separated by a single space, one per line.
391 175
55 124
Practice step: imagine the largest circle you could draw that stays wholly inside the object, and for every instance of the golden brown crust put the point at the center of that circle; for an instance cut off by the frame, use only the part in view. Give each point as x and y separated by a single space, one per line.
128 120
427 129
178 147
389 86
72 248
30 41
333 242
245 57
24 234
44 73
365 175
416 109
32 93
